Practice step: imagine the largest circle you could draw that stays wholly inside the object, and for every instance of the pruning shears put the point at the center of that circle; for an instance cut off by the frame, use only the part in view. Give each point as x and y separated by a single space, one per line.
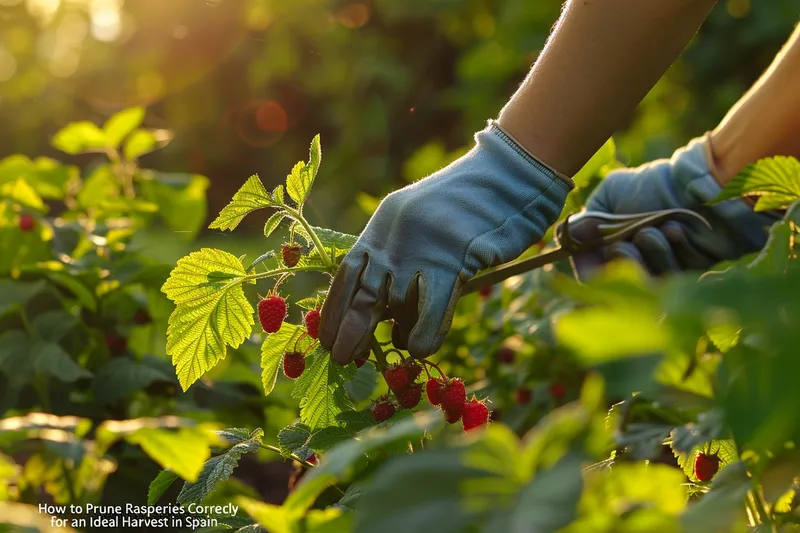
580 237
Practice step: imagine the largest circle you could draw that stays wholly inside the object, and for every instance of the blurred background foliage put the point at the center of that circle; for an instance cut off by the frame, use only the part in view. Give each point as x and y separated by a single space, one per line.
395 88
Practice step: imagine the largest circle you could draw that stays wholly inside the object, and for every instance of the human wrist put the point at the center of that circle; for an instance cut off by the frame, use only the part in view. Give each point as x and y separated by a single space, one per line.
512 141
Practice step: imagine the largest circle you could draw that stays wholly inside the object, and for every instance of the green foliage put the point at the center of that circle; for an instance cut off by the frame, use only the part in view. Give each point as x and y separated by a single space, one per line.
774 180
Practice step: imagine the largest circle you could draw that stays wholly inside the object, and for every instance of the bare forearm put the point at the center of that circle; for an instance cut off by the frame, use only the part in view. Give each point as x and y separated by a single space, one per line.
601 60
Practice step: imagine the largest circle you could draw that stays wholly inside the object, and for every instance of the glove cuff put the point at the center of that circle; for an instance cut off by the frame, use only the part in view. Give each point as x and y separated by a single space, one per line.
524 152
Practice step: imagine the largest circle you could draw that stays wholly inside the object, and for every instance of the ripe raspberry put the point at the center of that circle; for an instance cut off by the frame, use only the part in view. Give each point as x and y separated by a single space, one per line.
26 222
454 395
475 414
505 355
312 323
434 390
291 253
452 416
360 362
271 312
410 397
383 410
558 390
115 343
485 292
705 466
397 377
294 363
523 396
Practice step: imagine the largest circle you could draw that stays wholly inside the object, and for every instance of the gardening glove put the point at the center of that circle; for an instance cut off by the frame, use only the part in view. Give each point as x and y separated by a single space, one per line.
425 240
684 181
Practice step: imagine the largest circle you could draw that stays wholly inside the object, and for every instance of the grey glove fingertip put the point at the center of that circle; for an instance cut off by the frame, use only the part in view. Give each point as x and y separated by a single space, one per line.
362 317
656 251
689 256
341 294
436 308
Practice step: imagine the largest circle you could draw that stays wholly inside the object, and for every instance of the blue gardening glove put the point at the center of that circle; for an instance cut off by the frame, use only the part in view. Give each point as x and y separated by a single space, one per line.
684 181
425 240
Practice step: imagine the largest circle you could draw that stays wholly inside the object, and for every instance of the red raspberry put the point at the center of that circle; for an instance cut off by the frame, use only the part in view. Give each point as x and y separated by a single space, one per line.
454 395
475 414
360 362
397 377
291 253
523 396
558 390
116 343
434 390
505 355
452 416
485 292
271 312
312 323
294 363
705 466
26 222
313 460
383 410
410 397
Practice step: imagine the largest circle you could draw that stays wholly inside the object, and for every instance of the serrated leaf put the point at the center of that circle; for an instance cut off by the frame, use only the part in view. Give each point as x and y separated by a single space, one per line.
183 451
329 238
159 485
307 303
212 312
709 426
296 183
292 440
121 124
272 350
314 158
725 449
321 390
216 470
273 222
275 518
326 438
775 180
234 435
643 440
251 197
277 195
80 137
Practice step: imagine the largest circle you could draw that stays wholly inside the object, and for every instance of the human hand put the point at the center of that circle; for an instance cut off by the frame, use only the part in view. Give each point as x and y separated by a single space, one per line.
425 240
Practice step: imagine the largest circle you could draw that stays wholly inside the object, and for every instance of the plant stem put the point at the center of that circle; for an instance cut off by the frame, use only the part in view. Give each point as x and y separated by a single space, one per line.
298 216
379 355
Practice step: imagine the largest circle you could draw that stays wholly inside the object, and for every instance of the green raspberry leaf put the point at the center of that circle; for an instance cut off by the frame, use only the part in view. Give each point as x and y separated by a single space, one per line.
321 390
292 440
301 179
218 469
272 352
273 222
159 485
80 137
121 124
251 197
775 180
212 312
